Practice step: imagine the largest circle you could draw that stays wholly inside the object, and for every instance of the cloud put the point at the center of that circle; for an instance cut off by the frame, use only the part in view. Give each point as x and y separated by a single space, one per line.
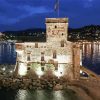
21 12
10 12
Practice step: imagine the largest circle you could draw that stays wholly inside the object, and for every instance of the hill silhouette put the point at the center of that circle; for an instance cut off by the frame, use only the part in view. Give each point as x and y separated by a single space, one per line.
90 33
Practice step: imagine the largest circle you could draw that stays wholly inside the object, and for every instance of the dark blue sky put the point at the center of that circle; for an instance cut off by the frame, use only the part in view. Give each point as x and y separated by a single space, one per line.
24 14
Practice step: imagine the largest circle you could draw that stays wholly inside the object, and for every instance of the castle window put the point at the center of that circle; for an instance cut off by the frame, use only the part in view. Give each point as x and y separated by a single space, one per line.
28 57
62 34
42 56
42 68
62 43
42 63
54 54
28 68
56 65
55 26
36 45
29 64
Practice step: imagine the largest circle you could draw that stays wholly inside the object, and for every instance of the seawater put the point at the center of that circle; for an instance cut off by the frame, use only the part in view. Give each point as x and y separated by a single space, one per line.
37 95
7 53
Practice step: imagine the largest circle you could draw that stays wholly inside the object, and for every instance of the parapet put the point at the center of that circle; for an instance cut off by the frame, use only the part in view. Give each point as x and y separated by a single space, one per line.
56 20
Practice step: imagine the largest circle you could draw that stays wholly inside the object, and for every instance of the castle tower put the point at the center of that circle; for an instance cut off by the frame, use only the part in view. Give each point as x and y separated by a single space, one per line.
56 29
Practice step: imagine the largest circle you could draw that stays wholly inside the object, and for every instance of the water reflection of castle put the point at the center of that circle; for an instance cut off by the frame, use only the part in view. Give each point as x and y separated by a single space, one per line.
56 54
92 51
7 52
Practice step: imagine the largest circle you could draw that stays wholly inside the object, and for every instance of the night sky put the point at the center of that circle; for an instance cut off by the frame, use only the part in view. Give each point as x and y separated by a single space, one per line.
24 14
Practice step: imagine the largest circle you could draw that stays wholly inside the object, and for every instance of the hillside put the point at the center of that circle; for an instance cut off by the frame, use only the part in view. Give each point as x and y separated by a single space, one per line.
89 33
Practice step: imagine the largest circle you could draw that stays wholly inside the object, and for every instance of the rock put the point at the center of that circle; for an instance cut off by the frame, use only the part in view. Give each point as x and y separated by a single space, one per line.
58 87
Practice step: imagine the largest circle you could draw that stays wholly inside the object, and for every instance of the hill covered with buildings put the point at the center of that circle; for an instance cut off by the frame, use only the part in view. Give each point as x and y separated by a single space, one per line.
89 33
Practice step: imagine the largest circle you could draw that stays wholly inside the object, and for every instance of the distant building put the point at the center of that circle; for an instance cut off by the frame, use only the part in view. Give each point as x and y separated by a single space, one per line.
1 34
56 54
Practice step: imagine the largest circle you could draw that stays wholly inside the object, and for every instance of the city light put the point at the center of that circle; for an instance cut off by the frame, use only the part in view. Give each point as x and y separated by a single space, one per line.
11 71
39 72
80 57
20 52
63 58
4 69
60 71
22 69
81 72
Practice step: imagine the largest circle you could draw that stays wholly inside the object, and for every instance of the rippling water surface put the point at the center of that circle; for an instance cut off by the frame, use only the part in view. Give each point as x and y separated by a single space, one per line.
7 53
91 57
37 95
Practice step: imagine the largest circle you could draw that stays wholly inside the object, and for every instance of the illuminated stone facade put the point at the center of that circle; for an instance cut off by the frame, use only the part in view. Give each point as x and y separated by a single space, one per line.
56 54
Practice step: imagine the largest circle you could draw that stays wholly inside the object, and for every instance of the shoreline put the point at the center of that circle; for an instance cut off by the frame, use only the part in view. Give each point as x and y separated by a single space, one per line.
82 88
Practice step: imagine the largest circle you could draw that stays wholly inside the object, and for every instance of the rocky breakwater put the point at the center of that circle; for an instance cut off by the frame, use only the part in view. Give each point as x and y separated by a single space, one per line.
35 83
83 89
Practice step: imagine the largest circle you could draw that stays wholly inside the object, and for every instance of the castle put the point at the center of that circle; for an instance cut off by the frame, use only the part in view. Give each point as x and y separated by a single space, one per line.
56 54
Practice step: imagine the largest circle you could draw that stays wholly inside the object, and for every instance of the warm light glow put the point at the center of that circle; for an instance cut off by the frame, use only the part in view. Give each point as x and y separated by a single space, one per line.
60 71
81 72
81 57
58 95
11 71
20 54
63 59
22 69
39 71
19 51
22 95
4 69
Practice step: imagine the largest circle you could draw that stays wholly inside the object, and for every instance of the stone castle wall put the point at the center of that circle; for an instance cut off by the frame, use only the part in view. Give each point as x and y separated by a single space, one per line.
56 50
